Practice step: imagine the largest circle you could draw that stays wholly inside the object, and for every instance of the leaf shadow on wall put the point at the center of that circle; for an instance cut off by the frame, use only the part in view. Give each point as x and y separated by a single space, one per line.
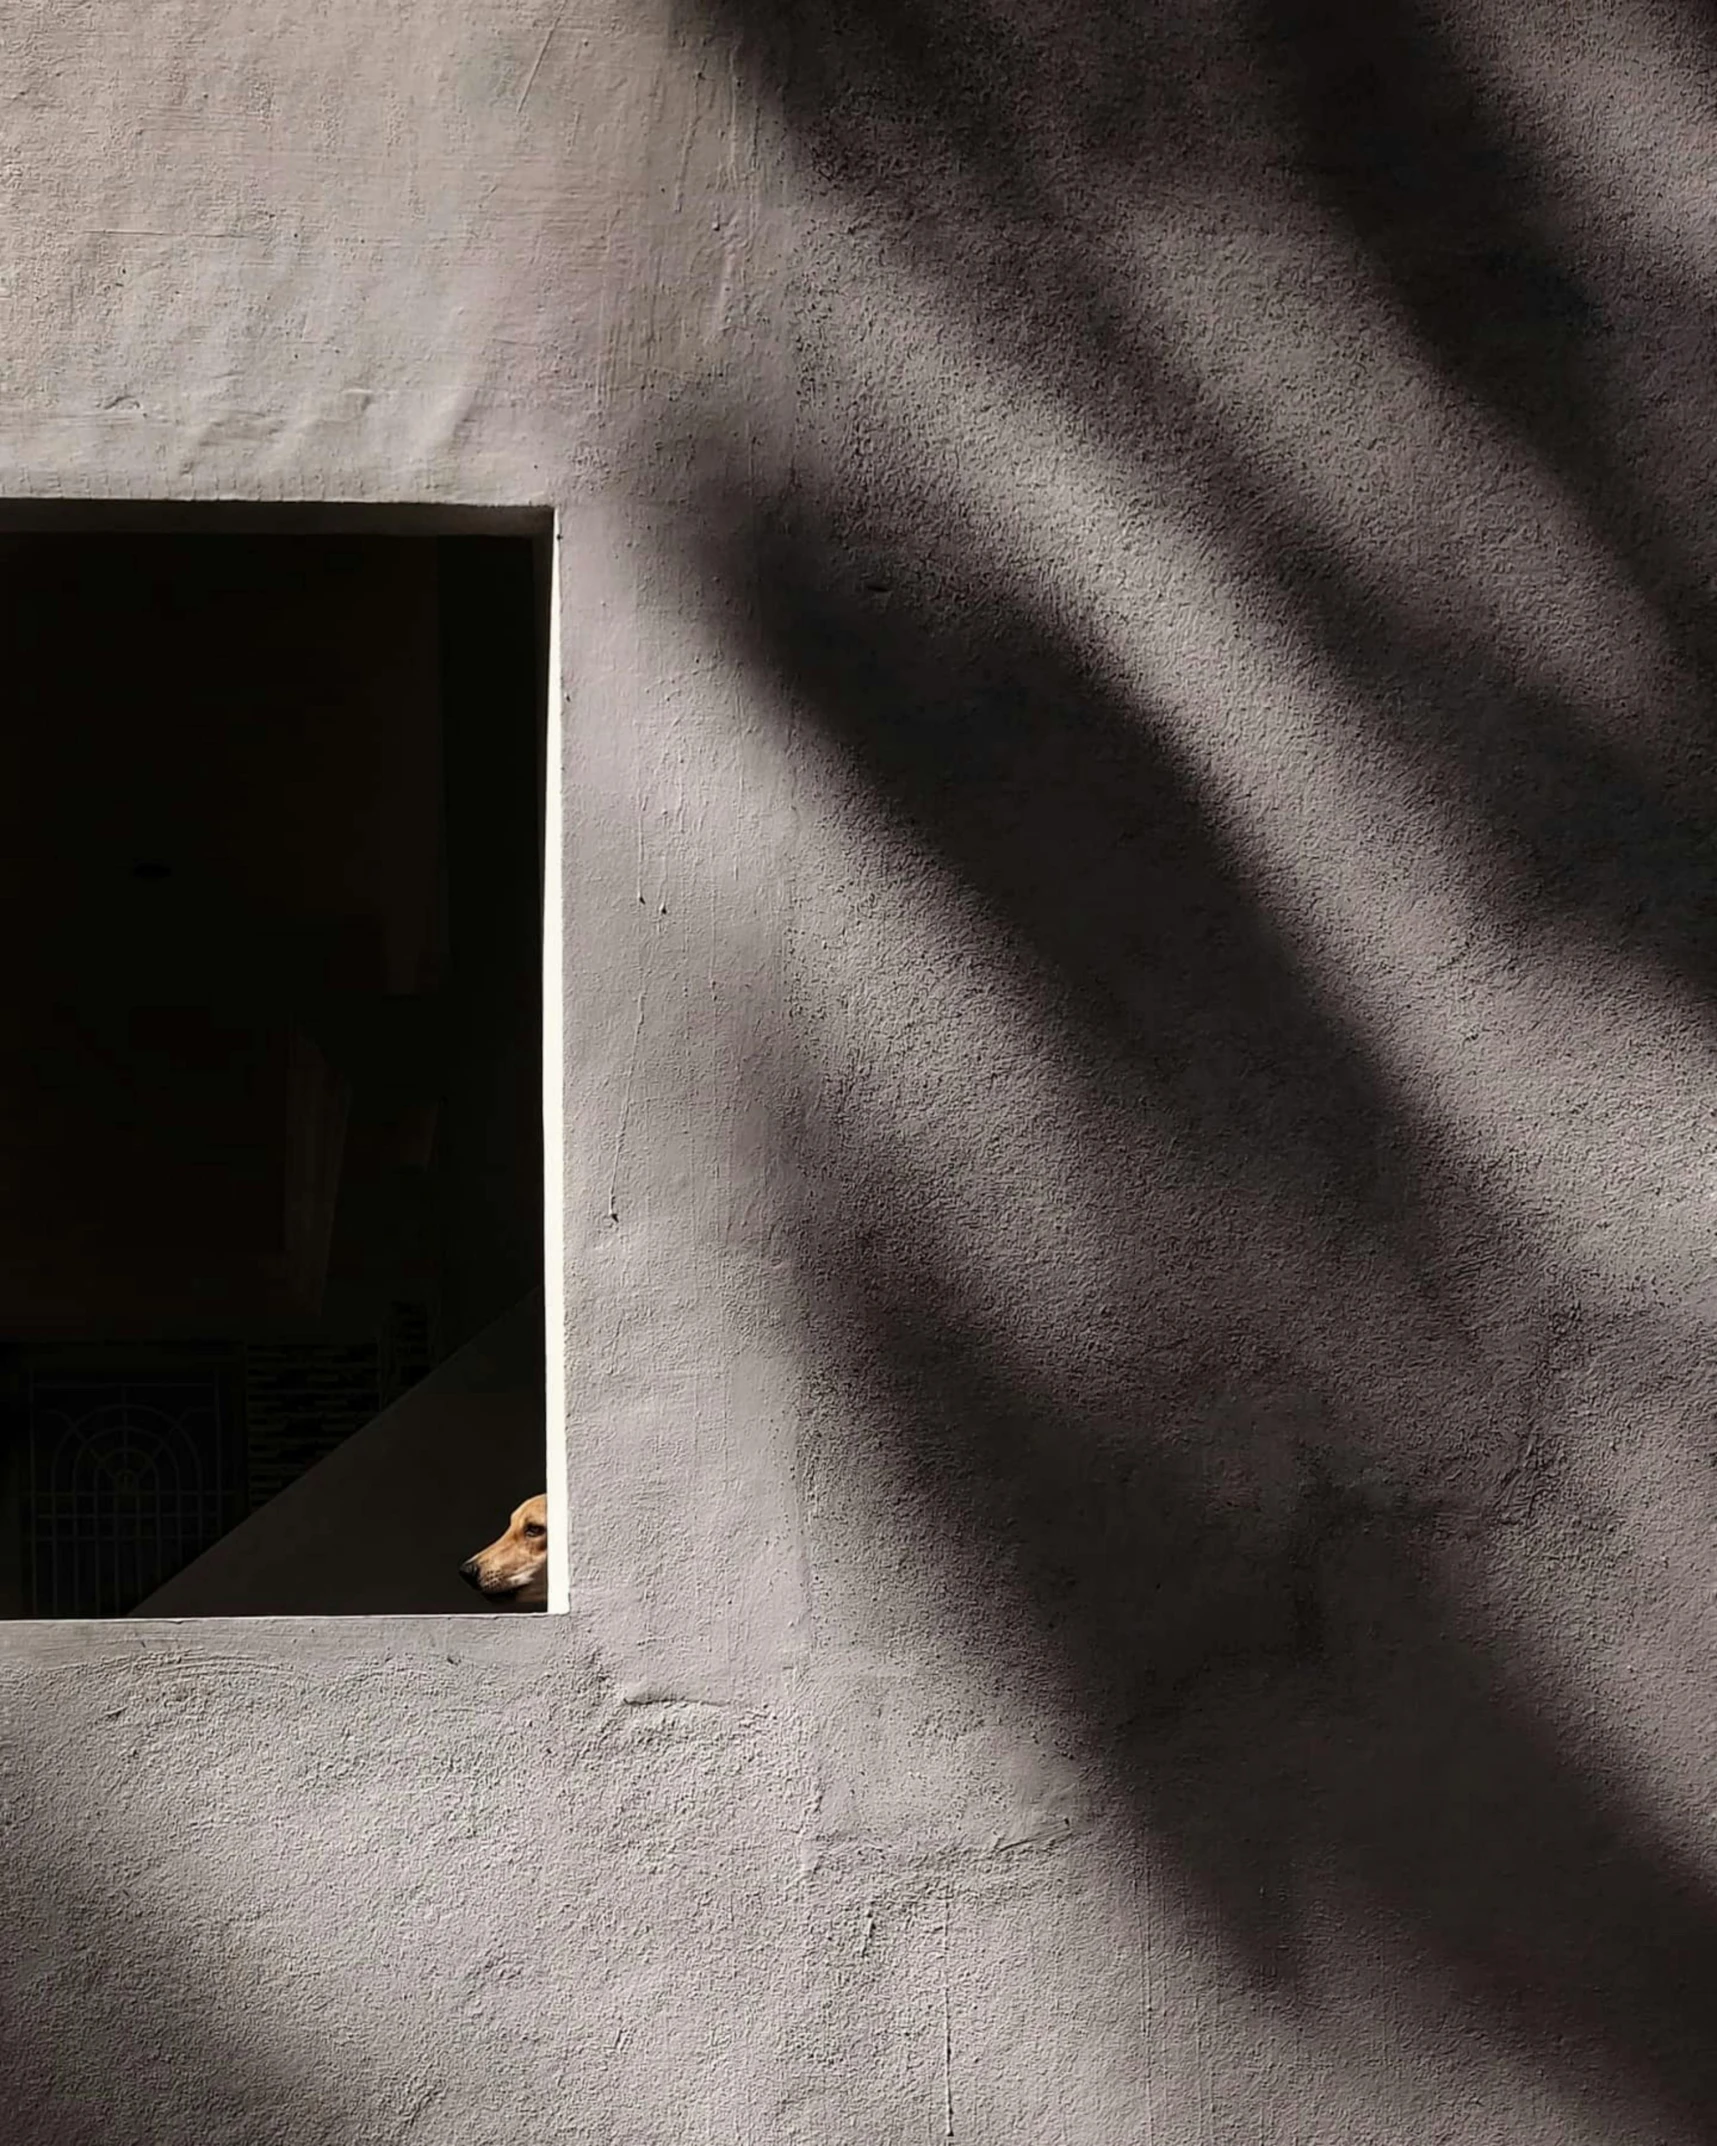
1318 1364
1229 1504
1019 162
115 2025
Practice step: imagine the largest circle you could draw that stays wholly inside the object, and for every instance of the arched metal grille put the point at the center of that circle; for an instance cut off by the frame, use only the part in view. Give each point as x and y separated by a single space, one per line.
128 1482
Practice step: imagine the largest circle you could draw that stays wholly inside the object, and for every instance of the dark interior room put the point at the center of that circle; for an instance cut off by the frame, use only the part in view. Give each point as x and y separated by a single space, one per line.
271 856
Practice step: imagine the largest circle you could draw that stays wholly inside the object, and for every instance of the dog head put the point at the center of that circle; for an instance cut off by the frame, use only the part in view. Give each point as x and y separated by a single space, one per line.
515 1568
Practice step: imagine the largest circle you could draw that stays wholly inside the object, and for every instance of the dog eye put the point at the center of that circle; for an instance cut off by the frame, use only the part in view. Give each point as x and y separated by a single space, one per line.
535 1527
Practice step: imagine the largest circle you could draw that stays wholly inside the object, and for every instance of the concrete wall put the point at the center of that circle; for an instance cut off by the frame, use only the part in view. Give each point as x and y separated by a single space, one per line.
1137 801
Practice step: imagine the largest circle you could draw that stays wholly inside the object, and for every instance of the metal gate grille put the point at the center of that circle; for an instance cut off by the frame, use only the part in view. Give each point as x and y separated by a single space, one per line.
129 1479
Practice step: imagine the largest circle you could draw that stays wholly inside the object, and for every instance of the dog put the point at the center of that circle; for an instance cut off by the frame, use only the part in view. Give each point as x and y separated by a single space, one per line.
514 1569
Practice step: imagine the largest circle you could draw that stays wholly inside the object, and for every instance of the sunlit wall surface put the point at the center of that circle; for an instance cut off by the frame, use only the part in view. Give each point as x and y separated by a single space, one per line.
1131 1220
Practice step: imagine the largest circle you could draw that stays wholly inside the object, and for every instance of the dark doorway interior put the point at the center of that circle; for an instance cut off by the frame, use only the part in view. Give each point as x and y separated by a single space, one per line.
270 1117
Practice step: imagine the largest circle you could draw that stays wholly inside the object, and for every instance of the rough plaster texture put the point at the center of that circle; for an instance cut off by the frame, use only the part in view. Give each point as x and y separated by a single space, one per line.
1138 802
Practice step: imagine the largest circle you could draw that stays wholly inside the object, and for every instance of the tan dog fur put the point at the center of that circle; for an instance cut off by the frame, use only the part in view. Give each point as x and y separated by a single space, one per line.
514 1568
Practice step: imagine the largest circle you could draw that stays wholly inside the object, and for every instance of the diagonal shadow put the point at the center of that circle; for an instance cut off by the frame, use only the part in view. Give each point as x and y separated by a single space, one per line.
1385 119
1391 121
109 2022
1303 1720
1086 1487
1015 157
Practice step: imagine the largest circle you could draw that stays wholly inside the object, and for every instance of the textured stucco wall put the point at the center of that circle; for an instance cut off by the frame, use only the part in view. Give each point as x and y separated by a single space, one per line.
1138 802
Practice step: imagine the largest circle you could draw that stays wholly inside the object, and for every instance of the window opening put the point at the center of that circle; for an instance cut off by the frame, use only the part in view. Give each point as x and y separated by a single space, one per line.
271 1174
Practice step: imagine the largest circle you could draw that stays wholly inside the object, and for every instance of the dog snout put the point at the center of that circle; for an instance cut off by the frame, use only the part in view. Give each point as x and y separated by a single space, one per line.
471 1570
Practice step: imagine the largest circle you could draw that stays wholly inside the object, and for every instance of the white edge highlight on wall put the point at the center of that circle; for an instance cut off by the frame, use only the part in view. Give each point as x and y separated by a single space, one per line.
554 1103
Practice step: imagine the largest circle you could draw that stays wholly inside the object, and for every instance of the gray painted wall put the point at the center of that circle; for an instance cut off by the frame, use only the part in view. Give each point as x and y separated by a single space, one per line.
1138 1050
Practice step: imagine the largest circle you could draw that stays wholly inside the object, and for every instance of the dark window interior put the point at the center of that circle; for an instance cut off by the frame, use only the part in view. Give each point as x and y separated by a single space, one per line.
270 1089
